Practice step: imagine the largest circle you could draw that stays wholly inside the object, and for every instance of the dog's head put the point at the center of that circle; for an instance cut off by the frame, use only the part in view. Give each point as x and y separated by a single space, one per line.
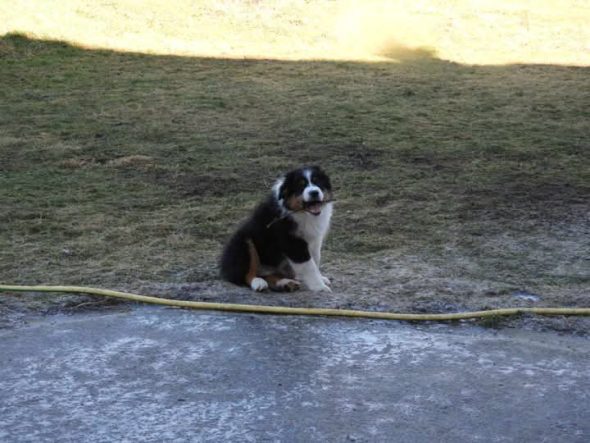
304 189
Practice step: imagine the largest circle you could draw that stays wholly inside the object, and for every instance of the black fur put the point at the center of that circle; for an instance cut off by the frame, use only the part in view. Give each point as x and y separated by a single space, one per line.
271 230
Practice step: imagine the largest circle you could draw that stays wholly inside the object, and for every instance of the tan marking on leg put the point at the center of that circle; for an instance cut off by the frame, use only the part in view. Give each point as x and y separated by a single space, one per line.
254 262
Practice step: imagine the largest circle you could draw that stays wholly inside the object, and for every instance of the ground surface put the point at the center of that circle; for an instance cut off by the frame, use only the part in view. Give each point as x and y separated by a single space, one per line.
154 374
458 187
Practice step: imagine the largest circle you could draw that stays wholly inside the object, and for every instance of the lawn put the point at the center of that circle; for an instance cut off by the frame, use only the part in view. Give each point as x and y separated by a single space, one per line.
458 186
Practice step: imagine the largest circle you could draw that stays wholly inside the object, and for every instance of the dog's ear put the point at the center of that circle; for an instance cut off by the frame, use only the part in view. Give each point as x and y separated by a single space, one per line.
279 188
324 179
283 191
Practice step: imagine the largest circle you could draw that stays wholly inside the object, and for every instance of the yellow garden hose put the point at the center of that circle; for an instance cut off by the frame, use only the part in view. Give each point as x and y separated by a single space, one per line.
280 310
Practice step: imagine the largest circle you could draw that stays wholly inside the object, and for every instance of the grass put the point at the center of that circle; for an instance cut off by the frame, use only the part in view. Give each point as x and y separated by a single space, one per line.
122 169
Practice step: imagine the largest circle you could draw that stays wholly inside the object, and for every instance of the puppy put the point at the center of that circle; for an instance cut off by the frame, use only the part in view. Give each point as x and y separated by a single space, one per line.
279 246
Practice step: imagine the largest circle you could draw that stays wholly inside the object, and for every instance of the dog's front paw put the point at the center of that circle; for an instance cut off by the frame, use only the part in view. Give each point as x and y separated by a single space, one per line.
319 287
287 285
326 281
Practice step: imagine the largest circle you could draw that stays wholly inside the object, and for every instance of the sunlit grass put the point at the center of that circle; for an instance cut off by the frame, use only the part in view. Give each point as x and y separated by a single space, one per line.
465 31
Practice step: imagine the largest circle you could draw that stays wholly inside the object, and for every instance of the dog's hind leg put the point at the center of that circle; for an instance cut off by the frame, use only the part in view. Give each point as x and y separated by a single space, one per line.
256 283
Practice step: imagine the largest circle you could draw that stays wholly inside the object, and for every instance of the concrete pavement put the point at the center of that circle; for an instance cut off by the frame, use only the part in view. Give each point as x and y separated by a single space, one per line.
152 374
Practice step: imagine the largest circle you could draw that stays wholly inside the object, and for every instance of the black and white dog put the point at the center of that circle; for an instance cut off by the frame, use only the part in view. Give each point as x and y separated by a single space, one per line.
279 246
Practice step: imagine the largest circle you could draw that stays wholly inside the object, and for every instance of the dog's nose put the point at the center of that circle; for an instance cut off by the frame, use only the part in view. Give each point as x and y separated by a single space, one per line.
314 195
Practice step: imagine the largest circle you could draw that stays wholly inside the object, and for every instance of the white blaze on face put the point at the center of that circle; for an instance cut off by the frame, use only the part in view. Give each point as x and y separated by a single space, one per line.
311 187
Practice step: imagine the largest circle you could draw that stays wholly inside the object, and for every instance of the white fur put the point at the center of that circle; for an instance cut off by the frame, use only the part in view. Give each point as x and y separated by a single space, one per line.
309 274
276 189
259 284
313 229
315 250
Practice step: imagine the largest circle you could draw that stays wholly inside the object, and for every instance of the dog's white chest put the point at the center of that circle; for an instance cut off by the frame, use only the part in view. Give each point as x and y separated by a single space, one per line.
312 228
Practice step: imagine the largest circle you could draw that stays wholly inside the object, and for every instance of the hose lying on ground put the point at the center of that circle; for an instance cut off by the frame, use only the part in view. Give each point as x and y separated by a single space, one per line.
280 310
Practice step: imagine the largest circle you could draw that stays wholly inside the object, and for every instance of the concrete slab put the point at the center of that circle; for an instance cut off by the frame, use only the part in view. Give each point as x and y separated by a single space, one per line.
154 375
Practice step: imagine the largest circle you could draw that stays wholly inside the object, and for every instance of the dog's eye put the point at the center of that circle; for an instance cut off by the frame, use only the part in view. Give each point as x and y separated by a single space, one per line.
302 183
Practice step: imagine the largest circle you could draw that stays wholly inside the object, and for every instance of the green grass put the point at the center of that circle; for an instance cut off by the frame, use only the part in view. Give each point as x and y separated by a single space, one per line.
118 168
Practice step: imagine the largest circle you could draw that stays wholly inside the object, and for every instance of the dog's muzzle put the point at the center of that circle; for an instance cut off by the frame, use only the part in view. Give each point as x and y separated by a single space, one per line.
313 207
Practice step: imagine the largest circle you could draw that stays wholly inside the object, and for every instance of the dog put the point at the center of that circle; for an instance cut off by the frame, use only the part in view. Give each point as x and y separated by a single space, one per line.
279 245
